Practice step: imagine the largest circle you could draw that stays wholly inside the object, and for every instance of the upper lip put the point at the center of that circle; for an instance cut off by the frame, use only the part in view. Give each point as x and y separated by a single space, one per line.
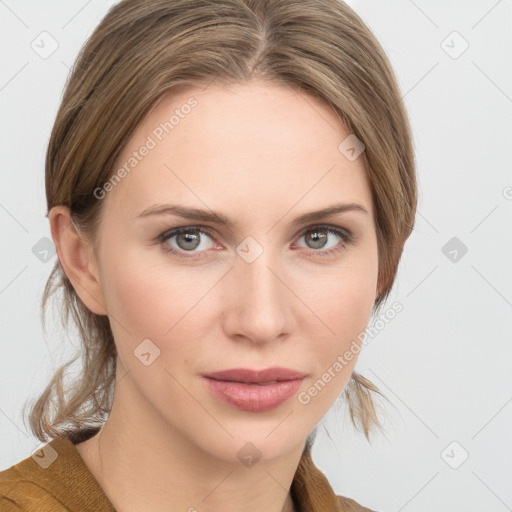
248 375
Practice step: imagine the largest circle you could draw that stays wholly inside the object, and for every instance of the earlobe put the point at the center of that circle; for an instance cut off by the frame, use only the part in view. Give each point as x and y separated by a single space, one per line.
77 259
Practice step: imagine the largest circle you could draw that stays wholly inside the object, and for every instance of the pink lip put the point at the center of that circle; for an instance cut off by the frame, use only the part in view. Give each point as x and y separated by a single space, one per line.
247 375
244 388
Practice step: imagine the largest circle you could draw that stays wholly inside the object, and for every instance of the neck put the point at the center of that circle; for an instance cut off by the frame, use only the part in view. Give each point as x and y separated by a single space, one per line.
146 465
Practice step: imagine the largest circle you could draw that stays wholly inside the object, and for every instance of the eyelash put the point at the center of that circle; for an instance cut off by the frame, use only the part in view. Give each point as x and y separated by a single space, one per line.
346 239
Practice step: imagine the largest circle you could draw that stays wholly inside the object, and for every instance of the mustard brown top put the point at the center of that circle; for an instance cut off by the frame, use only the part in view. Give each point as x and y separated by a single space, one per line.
56 479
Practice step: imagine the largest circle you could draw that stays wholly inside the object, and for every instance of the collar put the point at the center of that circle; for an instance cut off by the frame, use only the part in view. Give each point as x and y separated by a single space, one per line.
69 481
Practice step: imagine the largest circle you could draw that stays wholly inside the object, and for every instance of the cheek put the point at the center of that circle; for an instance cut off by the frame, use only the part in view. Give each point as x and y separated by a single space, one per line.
343 301
333 356
142 299
148 297
348 309
344 297
355 296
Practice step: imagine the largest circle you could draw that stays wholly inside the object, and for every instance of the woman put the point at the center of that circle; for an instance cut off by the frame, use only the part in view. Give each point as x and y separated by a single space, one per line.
230 185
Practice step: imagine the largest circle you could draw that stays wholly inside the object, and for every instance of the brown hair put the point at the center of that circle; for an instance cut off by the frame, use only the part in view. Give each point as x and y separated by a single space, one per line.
144 50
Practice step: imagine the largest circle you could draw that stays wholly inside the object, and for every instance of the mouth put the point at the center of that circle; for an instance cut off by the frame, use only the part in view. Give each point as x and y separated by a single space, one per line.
265 376
254 390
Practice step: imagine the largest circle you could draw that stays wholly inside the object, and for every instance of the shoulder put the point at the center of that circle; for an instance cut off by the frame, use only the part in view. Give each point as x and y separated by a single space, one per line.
20 489
41 482
349 505
9 480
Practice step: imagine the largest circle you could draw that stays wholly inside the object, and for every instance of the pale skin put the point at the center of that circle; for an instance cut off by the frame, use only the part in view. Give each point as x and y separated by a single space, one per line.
262 155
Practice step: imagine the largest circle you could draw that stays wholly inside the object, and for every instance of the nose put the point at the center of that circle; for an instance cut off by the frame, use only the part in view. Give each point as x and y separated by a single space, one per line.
259 305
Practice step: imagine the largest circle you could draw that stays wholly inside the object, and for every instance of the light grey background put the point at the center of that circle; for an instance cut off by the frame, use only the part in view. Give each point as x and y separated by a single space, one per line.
444 362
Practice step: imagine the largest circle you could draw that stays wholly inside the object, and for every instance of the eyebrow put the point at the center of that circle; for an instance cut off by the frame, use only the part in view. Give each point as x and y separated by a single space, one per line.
220 219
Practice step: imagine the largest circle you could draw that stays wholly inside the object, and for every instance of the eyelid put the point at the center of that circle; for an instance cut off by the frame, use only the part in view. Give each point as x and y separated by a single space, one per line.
210 231
170 233
347 238
349 235
173 231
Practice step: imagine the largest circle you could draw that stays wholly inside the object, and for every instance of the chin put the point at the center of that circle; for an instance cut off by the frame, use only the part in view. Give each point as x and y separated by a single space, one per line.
253 442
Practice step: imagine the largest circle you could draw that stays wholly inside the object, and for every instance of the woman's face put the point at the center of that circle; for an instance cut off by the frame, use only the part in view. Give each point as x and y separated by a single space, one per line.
263 289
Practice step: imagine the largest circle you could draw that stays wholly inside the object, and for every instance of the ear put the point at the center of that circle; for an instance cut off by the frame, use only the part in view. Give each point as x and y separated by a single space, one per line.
78 260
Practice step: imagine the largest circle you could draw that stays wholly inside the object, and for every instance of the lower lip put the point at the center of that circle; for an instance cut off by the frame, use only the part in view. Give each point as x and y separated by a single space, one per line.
254 397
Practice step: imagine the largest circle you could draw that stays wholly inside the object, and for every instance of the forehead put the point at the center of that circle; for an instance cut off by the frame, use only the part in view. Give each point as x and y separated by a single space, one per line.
255 143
